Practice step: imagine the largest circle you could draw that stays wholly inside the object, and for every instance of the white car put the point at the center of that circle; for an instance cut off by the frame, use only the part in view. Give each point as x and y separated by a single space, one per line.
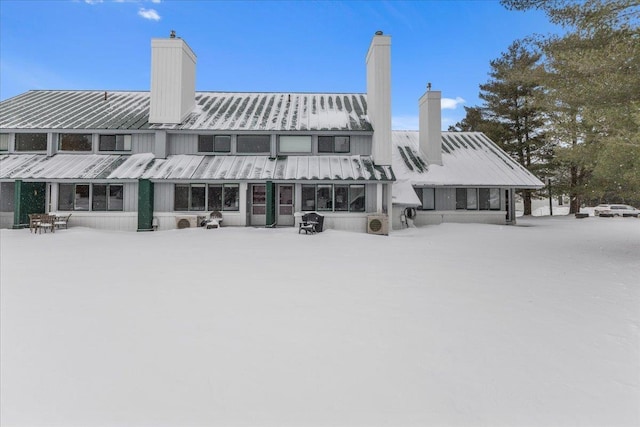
616 210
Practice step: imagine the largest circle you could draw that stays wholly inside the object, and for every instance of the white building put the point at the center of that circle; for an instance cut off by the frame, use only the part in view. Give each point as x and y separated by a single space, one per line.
134 160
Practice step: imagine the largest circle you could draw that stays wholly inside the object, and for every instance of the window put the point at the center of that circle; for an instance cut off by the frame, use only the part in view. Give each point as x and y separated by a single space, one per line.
102 197
333 144
31 142
294 144
75 142
489 199
259 199
214 143
4 142
333 198
107 197
73 197
195 197
114 143
427 198
467 198
254 144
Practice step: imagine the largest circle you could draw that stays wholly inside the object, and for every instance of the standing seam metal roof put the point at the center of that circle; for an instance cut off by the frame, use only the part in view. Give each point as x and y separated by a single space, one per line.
223 111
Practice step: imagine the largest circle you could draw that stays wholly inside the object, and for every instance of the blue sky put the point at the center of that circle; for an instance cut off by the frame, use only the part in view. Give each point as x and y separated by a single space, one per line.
280 46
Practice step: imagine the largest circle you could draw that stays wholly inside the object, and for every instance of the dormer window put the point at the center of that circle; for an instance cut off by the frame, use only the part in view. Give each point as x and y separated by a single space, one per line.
214 143
4 142
31 142
114 143
254 144
333 144
75 142
298 144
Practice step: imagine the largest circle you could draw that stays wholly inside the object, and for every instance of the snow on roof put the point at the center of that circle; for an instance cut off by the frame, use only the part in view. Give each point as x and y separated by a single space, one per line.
191 167
468 159
213 111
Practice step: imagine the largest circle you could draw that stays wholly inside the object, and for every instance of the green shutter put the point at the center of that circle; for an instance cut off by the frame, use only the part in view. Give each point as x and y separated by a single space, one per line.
271 204
145 205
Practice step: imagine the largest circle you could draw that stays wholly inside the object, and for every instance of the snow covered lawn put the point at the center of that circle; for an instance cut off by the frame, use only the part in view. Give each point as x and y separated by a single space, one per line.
450 325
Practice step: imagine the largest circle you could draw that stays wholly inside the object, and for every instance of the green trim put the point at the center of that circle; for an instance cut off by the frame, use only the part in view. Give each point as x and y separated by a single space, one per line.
28 198
271 204
17 206
145 205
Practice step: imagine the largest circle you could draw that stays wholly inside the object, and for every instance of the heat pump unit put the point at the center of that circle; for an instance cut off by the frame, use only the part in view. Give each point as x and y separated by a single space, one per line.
378 224
186 221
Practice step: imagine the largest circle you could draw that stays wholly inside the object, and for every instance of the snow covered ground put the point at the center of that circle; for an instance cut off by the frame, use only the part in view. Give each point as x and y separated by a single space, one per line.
449 325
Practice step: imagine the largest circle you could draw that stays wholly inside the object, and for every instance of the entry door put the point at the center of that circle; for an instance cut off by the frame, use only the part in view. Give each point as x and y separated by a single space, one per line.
285 205
258 206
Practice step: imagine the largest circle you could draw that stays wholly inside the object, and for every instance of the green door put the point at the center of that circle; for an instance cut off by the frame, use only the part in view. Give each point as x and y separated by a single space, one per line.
30 198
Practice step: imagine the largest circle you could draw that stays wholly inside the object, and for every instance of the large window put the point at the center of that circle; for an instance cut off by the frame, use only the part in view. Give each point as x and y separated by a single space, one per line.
4 141
94 197
258 144
427 198
333 198
214 143
107 197
294 144
333 144
195 197
75 142
478 198
114 143
31 142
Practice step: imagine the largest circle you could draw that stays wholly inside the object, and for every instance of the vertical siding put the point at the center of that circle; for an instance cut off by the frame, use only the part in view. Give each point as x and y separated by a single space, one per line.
142 143
121 221
371 192
6 219
445 199
163 197
6 196
180 143
130 197
361 144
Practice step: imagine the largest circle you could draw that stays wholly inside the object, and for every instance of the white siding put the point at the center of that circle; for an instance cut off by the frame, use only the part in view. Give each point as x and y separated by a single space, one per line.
6 196
182 144
121 221
142 143
361 144
163 197
6 219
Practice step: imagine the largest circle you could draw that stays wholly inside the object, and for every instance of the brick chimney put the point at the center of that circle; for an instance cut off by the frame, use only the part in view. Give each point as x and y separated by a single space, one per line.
173 80
430 124
379 96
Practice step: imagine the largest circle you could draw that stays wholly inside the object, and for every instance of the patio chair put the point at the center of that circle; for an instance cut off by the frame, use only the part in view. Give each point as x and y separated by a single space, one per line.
61 221
307 224
214 221
34 220
46 223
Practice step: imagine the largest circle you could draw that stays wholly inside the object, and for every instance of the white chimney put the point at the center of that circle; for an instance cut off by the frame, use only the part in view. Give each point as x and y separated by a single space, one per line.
379 96
173 80
430 123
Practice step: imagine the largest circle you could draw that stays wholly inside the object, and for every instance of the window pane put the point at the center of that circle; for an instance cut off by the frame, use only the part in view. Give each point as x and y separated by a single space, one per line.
116 197
428 199
356 203
472 198
483 198
181 197
222 144
205 143
7 192
197 197
31 142
82 197
254 144
341 197
65 197
342 144
4 141
75 142
99 202
215 198
295 144
494 199
231 201
325 144
461 198
325 199
107 143
308 197
259 195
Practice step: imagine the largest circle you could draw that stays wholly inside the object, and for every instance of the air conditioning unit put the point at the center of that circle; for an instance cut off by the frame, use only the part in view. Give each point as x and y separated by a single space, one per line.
378 224
186 221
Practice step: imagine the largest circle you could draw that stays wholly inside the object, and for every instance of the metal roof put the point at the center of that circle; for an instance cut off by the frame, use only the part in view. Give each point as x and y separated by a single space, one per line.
191 167
468 159
224 111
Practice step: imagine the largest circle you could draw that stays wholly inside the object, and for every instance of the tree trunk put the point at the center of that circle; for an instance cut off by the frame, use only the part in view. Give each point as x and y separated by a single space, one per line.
574 205
526 199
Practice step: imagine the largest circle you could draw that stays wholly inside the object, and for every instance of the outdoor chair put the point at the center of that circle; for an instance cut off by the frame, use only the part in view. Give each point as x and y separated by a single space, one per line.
34 220
61 221
46 223
308 224
214 221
